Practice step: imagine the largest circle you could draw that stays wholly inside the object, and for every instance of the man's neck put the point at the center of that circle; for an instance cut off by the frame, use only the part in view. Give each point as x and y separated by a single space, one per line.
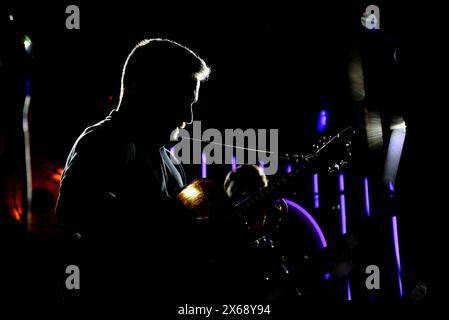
141 130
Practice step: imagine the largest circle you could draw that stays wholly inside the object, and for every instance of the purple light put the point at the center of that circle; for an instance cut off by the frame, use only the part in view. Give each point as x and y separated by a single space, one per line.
342 204
262 166
343 213
289 168
391 186
233 163
341 182
326 276
367 209
203 166
348 286
322 121
394 224
315 191
172 154
309 220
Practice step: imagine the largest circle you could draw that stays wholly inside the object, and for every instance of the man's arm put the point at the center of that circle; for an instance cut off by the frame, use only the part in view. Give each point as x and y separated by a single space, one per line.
86 199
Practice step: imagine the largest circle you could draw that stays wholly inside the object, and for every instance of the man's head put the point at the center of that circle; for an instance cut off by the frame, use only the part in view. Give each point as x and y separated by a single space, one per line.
160 83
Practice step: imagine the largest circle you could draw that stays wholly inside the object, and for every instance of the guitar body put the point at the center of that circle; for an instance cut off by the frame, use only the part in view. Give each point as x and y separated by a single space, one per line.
212 214
209 205
206 200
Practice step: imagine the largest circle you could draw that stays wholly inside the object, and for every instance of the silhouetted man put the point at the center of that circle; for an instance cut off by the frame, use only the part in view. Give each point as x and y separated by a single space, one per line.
119 177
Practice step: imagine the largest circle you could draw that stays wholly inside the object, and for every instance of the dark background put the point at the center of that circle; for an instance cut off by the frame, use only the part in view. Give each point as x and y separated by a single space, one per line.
273 66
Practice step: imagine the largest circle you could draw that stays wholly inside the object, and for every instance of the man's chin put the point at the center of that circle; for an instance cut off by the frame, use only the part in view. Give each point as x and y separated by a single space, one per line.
174 135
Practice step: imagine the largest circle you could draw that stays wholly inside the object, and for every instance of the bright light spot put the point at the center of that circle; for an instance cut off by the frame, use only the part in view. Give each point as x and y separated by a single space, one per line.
399 126
191 192
11 18
27 43
174 135
394 154
322 121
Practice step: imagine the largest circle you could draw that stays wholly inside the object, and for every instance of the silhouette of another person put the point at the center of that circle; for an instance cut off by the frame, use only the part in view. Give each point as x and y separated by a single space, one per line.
119 178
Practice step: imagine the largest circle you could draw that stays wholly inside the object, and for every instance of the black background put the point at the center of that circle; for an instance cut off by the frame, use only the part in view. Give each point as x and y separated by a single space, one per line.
274 65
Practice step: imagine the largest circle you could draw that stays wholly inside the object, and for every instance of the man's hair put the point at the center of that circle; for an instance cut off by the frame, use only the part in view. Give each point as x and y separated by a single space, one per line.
163 61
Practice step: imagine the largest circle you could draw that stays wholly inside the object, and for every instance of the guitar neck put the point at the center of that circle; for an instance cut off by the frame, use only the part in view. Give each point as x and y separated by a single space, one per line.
331 147
265 195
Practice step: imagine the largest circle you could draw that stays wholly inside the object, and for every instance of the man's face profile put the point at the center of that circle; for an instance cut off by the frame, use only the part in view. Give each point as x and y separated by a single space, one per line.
160 84
184 114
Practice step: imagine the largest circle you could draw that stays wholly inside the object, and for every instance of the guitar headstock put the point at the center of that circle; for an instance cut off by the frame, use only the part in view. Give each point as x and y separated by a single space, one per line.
330 153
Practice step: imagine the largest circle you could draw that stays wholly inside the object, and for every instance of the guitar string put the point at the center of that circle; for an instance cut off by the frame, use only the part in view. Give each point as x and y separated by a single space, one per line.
257 150
227 145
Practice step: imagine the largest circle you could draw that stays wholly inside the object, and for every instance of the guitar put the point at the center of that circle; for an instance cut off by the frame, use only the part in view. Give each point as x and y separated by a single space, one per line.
224 237
208 202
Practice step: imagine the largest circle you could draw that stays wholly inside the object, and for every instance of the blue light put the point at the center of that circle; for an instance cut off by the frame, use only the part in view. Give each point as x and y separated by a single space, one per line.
311 223
27 87
322 121
316 196
262 166
341 185
348 289
367 209
234 163
394 224
203 165
309 220
342 203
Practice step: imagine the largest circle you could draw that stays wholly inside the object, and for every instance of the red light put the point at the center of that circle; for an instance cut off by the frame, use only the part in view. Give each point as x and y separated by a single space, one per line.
46 176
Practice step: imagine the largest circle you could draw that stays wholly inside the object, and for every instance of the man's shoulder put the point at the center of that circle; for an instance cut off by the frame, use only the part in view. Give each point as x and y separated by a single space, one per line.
103 139
96 135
